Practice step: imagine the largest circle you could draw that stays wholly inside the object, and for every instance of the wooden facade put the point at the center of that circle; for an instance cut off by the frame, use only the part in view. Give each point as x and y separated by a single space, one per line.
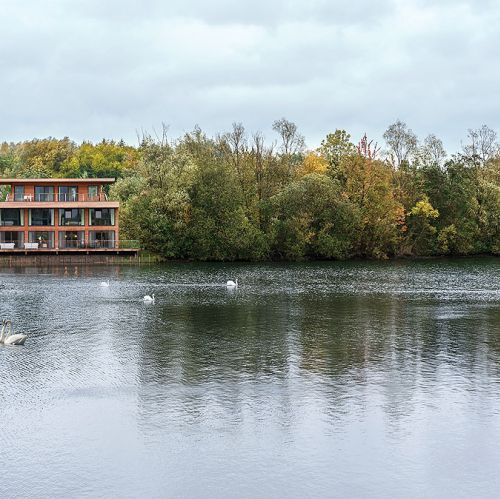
59 215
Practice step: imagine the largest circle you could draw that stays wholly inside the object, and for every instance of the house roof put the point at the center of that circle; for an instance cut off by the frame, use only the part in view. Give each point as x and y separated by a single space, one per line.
17 181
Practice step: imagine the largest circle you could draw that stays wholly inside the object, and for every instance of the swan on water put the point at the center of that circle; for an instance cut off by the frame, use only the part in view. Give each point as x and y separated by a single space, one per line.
149 299
105 284
7 338
232 284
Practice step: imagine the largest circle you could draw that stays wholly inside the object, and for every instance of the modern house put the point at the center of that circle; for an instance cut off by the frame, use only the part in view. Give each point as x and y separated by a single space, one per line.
58 216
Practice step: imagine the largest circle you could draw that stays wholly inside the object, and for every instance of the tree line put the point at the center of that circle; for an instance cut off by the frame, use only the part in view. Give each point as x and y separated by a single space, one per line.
236 196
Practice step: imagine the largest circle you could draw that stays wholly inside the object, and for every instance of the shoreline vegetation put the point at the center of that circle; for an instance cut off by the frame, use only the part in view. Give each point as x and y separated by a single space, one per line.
236 196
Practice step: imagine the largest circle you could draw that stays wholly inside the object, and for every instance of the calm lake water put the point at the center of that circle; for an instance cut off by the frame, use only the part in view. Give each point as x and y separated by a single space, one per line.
348 380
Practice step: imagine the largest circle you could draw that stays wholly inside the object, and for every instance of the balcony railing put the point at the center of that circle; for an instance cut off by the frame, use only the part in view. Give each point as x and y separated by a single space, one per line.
73 244
10 223
57 198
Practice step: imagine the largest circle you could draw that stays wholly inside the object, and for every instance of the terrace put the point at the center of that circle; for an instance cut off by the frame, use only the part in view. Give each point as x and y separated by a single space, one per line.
13 243
58 191
55 197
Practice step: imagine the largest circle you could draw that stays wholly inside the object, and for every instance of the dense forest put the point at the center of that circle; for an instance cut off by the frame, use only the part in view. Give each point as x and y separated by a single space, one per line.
236 196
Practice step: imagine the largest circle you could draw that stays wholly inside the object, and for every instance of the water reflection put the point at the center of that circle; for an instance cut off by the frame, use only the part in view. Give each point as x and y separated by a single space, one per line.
380 371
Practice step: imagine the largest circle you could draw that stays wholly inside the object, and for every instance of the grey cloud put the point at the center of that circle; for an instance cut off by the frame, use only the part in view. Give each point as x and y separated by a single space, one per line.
258 12
93 69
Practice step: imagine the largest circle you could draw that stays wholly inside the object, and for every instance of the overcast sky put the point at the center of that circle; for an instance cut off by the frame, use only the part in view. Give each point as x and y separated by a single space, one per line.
90 69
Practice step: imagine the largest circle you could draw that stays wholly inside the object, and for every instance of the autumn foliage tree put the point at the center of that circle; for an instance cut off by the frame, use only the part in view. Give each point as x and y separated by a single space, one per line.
242 196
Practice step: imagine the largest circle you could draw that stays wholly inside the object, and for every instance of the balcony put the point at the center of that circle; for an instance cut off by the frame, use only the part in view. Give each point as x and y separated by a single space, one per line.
78 245
57 198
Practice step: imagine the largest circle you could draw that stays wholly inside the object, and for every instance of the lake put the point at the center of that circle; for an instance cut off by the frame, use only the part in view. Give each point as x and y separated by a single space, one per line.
348 380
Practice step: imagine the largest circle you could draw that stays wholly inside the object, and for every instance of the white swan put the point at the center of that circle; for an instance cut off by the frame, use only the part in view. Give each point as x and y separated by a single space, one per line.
105 284
9 338
232 284
149 299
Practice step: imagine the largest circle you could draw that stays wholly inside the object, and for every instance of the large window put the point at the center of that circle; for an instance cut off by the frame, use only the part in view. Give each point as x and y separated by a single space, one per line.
19 193
68 193
71 216
71 239
102 239
11 217
44 193
45 239
41 216
101 216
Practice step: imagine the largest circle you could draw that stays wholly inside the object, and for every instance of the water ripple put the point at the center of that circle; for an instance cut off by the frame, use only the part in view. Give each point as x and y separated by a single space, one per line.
356 379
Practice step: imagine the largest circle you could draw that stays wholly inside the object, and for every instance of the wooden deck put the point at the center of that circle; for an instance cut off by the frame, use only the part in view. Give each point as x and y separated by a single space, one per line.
68 251
72 257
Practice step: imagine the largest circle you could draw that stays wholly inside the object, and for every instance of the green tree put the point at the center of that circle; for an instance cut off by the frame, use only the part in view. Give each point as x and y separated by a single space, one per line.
105 159
219 228
421 236
369 186
311 219
334 148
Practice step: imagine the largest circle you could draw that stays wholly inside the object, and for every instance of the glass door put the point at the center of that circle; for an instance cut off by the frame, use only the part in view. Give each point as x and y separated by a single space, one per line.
102 239
44 239
93 193
71 239
68 193
12 237
44 193
19 193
